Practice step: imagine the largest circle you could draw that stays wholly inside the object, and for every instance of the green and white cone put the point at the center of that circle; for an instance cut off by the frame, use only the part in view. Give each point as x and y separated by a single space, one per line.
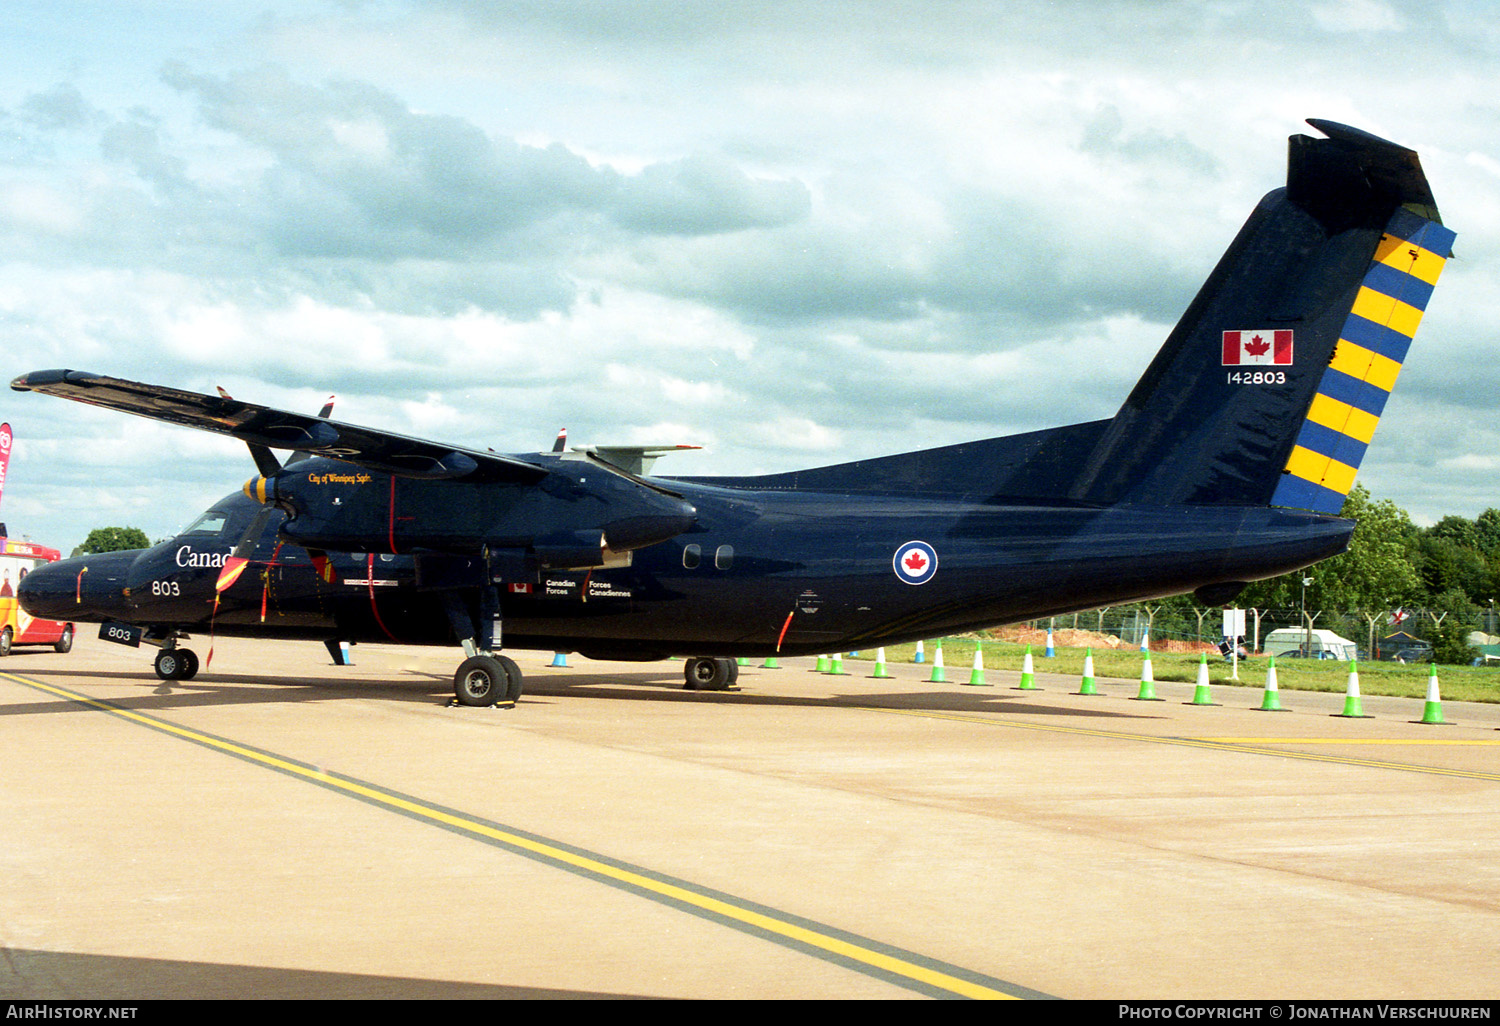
770 664
937 676
836 667
880 670
1201 693
1271 701
1086 685
976 675
1148 682
1432 712
821 666
1028 674
1352 709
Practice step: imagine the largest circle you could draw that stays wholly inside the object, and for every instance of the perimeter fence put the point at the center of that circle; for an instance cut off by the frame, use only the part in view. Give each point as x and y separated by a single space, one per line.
1377 634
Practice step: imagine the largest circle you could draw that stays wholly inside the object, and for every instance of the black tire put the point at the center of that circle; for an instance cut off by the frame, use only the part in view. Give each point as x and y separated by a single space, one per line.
171 663
65 643
5 641
481 680
189 664
513 674
708 674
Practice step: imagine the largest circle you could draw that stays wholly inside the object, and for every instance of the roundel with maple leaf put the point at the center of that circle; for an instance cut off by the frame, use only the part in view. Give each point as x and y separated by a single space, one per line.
915 562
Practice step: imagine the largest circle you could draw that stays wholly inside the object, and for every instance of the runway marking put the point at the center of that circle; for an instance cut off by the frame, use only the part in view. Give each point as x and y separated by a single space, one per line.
1249 746
1435 742
872 958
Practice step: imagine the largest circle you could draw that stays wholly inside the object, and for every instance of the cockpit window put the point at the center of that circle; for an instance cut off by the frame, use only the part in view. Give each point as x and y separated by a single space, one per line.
209 525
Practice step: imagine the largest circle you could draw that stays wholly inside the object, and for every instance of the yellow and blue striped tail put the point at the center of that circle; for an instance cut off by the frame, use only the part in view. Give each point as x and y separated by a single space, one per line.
1371 348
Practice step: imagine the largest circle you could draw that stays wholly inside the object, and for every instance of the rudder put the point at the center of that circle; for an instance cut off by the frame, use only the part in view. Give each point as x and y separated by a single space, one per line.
1371 349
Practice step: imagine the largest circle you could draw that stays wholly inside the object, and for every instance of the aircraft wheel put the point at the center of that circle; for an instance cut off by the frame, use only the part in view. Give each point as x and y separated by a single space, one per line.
709 674
65 643
481 680
176 664
513 678
5 642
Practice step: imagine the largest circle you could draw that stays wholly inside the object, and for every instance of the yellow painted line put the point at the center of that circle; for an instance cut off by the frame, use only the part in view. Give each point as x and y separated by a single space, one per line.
1436 742
892 964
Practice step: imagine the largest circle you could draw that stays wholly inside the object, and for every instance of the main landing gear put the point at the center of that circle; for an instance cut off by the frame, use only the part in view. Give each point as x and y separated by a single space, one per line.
705 674
484 678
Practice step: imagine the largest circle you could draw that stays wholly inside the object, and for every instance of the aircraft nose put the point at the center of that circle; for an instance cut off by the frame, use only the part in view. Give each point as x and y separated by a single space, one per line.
75 588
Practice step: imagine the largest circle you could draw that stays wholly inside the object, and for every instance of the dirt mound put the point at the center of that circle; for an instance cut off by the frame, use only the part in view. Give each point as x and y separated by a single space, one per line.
1068 637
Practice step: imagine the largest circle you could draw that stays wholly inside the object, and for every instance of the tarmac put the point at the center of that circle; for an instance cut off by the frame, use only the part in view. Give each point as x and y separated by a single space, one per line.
280 827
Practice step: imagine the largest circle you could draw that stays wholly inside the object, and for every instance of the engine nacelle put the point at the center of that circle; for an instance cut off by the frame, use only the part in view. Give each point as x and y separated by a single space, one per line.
578 515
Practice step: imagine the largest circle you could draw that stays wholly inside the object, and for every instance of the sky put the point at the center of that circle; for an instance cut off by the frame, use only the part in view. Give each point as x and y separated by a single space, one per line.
794 233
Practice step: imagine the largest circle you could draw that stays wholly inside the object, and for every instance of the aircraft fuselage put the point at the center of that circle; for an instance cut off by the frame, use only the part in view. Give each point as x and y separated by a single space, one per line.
761 571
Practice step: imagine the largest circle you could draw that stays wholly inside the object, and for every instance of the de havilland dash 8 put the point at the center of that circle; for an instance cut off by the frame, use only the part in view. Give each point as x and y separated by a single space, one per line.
1228 463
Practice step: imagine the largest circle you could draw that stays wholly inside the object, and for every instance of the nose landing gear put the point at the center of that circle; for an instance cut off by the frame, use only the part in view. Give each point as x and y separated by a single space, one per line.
176 664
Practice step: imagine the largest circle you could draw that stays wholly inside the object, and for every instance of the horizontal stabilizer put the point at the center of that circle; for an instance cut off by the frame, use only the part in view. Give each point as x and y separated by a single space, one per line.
633 459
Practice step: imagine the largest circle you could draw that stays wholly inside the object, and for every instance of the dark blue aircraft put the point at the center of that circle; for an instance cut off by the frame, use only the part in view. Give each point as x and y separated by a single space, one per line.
1228 463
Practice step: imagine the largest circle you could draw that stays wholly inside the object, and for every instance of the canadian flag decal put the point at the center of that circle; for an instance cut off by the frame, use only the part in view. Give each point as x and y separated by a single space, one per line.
1269 348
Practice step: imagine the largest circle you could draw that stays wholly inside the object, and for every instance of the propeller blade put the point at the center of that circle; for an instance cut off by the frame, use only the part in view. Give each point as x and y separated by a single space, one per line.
265 460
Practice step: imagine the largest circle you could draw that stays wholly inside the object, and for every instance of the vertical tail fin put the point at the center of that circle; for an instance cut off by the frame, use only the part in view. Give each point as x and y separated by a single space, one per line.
1371 348
1268 389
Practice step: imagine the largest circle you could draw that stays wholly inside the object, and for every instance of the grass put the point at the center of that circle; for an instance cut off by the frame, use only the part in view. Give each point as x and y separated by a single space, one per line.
1458 683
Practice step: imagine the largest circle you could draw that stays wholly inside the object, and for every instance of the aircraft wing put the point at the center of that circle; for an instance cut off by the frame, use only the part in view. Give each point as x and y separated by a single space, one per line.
281 429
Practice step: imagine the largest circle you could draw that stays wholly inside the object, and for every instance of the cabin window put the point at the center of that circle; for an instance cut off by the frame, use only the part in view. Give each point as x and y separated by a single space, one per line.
723 556
210 524
691 554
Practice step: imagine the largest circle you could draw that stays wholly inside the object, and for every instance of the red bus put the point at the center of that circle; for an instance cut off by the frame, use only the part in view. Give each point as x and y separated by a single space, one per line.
17 559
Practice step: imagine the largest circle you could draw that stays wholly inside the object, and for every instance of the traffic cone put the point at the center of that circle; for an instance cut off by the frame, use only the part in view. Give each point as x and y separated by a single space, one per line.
770 664
836 666
821 666
1201 695
559 659
1271 702
938 676
1352 709
1028 676
976 675
1051 648
920 657
880 670
1086 685
1432 712
1145 642
1148 683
